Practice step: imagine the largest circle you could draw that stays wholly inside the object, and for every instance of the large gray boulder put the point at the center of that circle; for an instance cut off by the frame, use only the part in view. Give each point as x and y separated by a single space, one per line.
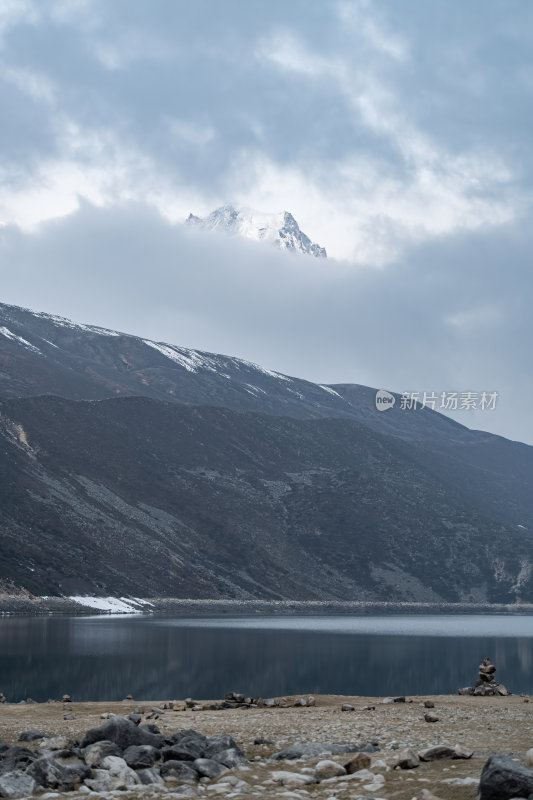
95 753
115 775
188 734
16 784
123 733
141 756
436 753
179 771
16 758
216 744
187 750
502 779
48 774
208 768
150 777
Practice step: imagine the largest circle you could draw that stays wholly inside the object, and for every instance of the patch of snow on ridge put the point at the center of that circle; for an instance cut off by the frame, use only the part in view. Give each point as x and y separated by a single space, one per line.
13 336
331 391
113 605
258 368
192 360
63 322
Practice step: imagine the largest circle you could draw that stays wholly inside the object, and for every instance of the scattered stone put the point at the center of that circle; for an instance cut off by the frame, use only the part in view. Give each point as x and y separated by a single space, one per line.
461 781
135 718
407 759
139 710
69 715
291 779
347 707
309 749
328 769
429 704
431 717
425 794
387 700
461 752
357 763
260 740
237 697
306 702
436 753
466 690
529 757
503 778
2 698
32 736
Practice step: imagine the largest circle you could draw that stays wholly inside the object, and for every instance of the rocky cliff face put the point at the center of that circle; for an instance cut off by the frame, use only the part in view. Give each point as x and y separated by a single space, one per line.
129 466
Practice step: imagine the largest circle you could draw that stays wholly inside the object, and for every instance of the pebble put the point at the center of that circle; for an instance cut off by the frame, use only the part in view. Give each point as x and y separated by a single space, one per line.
329 769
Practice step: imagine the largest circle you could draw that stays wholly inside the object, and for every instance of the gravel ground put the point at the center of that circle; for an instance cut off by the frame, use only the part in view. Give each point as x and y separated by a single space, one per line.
485 725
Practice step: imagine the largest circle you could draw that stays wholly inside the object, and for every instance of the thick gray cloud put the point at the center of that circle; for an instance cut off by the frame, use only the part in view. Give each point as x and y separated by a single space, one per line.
447 318
397 133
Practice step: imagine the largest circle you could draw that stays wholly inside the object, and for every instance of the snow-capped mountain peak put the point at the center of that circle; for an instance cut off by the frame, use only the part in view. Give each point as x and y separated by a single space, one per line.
281 229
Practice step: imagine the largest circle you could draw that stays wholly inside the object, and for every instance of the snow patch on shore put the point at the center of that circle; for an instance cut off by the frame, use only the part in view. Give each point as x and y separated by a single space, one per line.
112 605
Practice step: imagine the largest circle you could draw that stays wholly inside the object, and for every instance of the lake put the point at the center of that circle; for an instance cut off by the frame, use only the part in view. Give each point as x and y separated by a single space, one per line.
164 658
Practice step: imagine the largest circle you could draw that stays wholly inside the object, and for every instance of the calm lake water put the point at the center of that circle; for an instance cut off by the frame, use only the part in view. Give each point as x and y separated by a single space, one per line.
154 657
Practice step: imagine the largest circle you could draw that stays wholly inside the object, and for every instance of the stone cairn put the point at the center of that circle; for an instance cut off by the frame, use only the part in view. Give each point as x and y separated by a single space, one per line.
486 682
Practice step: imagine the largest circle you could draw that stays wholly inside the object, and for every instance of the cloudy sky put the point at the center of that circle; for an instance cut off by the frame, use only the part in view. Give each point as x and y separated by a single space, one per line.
397 133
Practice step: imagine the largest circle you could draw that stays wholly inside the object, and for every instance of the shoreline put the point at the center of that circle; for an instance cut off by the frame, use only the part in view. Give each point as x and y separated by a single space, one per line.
481 726
65 606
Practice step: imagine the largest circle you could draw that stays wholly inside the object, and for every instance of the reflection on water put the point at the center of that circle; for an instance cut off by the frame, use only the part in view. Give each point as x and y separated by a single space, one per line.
105 658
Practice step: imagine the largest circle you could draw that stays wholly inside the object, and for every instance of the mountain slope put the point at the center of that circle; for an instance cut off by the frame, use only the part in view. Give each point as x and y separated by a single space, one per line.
138 496
45 354
281 230
219 478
